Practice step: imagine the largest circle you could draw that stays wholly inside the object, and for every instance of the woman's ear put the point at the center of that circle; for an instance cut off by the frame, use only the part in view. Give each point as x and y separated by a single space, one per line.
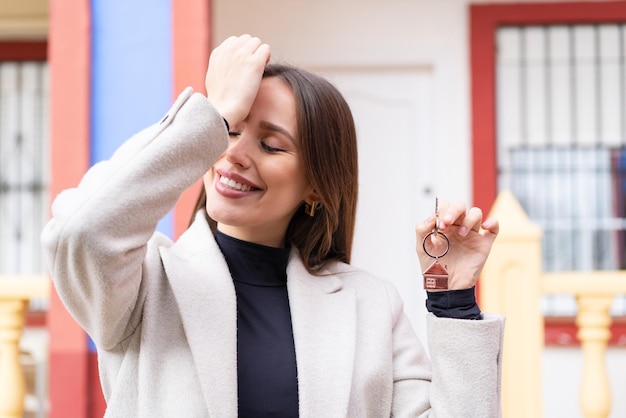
313 196
312 203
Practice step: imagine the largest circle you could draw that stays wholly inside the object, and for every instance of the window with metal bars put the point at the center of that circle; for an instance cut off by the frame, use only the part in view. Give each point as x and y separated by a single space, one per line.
24 167
561 142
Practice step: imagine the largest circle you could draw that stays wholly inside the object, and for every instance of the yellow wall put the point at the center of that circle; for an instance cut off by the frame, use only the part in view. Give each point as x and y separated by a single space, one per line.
23 19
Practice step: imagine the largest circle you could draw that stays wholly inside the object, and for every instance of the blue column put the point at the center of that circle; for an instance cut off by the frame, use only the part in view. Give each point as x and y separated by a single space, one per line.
131 73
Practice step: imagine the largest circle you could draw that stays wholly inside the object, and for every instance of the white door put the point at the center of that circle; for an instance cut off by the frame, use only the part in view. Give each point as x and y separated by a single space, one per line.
393 111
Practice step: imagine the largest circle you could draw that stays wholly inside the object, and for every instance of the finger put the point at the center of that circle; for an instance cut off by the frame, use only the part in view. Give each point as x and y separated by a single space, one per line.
438 243
472 220
230 43
251 44
425 227
452 214
263 53
244 43
491 225
241 39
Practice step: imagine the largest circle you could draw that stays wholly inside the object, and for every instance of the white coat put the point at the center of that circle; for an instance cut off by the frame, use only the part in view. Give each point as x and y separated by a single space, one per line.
163 313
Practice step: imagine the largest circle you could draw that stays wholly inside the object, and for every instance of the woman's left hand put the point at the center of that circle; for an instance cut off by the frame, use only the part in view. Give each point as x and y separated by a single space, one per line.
234 75
470 238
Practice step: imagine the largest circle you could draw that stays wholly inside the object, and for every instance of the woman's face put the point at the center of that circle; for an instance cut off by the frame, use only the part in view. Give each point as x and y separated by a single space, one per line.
255 187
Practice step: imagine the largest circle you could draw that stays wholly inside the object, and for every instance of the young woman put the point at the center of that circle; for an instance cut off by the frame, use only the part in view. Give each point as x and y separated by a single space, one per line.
255 310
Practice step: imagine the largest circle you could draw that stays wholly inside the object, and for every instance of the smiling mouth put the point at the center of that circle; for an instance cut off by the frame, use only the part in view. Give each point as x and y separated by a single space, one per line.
232 184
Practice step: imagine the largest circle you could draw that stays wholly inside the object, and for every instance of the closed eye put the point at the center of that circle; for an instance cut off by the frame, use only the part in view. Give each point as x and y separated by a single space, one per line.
270 149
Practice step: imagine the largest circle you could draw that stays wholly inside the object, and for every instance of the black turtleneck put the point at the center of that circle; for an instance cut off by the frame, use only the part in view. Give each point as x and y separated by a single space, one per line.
266 356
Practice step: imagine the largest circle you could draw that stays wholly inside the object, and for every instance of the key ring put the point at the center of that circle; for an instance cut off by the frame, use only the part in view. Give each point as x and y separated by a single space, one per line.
436 232
436 276
436 257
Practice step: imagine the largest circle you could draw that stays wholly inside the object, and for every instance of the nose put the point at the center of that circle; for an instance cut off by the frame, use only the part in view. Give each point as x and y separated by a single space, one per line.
238 152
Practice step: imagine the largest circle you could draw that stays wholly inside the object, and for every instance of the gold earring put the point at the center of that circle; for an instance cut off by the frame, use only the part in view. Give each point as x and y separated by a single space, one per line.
310 209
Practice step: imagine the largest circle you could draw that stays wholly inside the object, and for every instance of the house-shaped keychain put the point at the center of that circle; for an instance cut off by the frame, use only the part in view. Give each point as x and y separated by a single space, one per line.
435 277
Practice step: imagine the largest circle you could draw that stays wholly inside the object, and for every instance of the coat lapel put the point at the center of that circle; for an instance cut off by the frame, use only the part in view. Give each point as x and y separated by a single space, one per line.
204 290
323 314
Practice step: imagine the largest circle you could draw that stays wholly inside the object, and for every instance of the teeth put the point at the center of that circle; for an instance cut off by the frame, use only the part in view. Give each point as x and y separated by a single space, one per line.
234 185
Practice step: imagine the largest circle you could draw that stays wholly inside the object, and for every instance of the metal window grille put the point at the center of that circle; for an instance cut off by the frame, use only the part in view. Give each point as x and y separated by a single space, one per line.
24 166
561 147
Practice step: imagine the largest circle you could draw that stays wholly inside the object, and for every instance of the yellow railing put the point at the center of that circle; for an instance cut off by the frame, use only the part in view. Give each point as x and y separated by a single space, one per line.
512 284
15 294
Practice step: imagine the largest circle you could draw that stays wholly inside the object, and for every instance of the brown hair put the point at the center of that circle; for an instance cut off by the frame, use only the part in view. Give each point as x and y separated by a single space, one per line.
329 151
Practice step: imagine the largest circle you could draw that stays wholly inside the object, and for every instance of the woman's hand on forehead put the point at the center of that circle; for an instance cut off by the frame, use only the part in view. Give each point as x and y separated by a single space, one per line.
234 74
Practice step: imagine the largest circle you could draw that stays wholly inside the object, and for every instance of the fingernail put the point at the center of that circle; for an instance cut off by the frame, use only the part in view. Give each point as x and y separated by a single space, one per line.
462 231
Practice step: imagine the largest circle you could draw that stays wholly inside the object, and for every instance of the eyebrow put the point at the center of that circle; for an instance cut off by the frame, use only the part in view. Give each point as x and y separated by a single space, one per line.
272 127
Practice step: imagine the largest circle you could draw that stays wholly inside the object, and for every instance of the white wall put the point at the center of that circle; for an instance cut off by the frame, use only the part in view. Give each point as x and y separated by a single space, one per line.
404 68
366 33
411 57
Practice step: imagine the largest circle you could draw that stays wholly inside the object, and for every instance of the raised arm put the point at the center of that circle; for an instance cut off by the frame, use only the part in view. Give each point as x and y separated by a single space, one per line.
97 239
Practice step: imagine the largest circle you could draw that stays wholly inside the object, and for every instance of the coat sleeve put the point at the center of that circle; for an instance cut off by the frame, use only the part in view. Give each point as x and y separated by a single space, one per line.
467 365
97 239
462 376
